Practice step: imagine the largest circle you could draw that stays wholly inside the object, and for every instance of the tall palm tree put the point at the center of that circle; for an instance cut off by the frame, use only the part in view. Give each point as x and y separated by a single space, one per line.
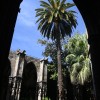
55 22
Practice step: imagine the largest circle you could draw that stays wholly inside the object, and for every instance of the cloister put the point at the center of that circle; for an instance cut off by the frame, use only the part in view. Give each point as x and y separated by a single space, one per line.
9 10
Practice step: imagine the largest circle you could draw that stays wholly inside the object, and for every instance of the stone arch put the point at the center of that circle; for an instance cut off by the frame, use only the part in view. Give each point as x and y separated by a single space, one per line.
90 13
29 81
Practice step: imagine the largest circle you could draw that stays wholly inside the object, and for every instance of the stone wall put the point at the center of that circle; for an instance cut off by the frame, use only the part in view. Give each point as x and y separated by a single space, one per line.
12 58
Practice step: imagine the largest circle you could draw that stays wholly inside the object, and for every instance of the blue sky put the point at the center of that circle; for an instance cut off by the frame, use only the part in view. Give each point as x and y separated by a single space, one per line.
26 34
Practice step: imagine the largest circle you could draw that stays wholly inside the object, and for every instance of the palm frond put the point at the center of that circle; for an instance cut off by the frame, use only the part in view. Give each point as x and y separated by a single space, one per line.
49 30
70 58
45 4
63 2
54 11
44 25
69 5
58 3
50 18
41 23
52 3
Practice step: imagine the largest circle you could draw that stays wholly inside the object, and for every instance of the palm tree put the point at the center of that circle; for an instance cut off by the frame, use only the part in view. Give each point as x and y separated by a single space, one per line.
78 59
79 64
55 22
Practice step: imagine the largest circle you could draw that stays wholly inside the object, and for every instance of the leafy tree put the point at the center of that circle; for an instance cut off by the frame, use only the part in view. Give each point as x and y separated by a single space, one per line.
50 52
55 22
79 66
78 59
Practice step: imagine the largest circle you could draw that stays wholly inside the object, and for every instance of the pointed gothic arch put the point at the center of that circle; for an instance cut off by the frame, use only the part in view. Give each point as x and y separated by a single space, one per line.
90 13
29 82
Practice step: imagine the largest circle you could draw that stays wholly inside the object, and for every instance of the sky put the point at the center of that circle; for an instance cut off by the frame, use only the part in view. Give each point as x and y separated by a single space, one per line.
26 33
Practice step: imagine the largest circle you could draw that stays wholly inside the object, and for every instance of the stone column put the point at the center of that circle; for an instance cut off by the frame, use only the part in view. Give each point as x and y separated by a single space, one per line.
14 73
42 79
16 77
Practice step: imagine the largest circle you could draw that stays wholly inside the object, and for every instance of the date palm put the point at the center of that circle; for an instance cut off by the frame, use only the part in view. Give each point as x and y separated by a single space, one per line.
55 22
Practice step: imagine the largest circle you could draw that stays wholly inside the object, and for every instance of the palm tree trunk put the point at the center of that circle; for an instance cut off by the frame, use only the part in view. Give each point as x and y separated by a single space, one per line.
60 74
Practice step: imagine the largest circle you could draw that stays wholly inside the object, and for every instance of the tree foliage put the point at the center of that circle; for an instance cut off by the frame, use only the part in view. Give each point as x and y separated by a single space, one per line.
50 51
78 59
55 15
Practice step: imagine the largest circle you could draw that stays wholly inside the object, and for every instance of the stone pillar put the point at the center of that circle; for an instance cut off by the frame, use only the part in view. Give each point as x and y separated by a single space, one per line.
42 79
15 78
14 72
